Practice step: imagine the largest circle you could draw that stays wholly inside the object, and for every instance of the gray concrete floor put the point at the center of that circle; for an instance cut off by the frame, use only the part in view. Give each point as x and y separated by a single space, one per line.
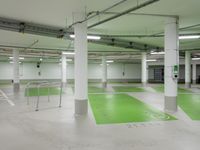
53 128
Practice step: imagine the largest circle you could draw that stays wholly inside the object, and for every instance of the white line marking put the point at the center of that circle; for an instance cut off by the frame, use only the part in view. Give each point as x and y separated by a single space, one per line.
7 99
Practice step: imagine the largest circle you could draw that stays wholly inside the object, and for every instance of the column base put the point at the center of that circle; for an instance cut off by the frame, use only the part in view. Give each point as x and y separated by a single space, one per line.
81 107
16 87
187 85
104 84
64 85
144 84
170 104
194 81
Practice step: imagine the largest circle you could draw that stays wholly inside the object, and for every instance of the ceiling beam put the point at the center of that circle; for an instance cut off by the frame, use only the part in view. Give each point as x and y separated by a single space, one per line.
124 13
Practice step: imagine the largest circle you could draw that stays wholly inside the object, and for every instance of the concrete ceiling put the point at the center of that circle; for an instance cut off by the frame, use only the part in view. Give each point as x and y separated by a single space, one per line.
60 14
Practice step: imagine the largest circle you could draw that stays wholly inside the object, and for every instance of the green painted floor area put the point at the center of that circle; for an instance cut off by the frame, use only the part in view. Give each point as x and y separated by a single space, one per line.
128 89
93 89
43 91
122 108
190 104
160 89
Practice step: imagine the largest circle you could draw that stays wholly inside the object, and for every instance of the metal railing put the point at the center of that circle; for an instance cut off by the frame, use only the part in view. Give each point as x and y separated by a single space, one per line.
39 85
32 84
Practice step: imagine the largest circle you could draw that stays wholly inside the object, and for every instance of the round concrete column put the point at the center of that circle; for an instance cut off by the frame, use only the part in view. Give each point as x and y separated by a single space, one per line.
171 59
16 80
104 72
81 65
144 69
194 73
64 69
187 69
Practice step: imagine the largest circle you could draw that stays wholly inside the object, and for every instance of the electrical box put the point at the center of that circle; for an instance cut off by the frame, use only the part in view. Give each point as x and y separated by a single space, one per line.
175 71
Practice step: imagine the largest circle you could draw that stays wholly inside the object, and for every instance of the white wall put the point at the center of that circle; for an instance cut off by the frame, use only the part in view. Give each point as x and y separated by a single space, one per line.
53 71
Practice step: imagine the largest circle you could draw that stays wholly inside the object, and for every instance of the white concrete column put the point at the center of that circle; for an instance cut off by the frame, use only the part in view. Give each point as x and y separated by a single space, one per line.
147 73
64 69
16 81
144 68
104 72
171 59
194 73
81 65
187 69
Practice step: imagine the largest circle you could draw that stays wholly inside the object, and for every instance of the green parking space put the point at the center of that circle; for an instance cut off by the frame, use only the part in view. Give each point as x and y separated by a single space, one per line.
127 89
95 89
190 104
43 91
122 108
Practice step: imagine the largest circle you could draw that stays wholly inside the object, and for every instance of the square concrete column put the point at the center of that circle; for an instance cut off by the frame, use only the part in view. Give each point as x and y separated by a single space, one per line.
194 73
16 80
171 60
104 72
188 69
64 69
81 65
144 68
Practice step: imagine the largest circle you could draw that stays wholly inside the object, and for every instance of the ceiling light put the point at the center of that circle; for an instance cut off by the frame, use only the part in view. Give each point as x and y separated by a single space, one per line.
11 62
109 61
157 53
68 53
189 37
41 59
89 37
21 58
151 60
69 60
196 58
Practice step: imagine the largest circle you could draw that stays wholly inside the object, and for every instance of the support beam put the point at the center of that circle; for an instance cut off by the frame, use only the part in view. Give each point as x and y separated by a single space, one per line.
81 65
194 73
144 68
64 70
171 60
16 81
188 69
104 72
124 13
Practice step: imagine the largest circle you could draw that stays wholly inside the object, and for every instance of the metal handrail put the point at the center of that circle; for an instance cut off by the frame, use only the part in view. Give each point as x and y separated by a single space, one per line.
33 83
53 84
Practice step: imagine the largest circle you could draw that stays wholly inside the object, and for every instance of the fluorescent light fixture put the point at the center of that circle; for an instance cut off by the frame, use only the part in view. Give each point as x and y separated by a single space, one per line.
21 58
189 37
69 60
151 60
11 62
157 53
41 59
89 37
109 61
68 53
197 58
